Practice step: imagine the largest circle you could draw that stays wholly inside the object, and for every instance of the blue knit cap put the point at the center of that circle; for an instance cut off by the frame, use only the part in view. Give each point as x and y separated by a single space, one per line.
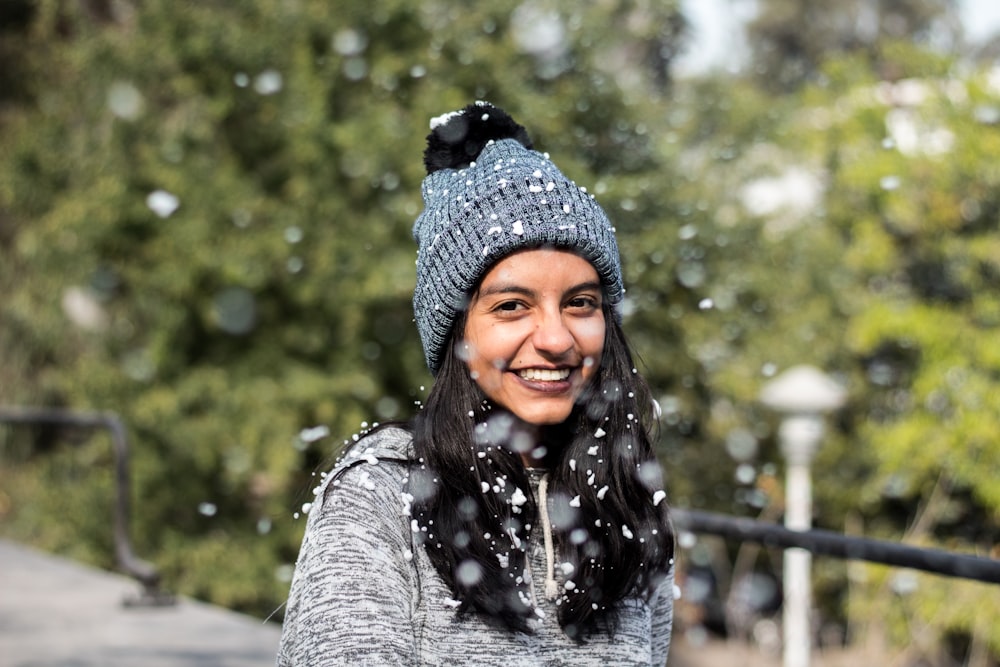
488 194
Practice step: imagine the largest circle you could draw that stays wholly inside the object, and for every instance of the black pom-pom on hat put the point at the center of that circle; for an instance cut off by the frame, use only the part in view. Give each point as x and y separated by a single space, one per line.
457 138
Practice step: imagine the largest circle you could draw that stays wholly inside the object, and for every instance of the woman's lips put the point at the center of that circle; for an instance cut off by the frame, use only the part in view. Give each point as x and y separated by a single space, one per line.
552 381
544 374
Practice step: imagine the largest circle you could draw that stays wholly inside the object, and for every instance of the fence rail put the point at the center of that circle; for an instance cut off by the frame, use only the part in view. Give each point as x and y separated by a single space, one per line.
829 543
144 572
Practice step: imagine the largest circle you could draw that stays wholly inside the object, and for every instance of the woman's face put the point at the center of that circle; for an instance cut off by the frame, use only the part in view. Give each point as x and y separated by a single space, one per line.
534 333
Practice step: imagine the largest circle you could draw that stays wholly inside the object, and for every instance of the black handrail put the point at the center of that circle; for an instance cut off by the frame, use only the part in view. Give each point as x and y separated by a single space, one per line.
143 571
829 543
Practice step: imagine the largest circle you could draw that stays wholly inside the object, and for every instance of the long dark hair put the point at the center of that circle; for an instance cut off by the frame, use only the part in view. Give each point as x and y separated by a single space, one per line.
474 508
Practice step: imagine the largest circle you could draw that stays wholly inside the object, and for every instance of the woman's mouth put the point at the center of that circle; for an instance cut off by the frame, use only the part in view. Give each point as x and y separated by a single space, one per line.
544 374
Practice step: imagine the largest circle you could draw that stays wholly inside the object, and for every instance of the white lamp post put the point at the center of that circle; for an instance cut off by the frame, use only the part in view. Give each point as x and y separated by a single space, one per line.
802 394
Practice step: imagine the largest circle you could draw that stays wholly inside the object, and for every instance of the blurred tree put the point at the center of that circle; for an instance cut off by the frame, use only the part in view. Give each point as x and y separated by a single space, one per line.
791 39
206 212
15 18
913 194
852 226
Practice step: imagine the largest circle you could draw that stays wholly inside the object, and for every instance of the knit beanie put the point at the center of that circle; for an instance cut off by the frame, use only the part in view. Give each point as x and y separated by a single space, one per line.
486 195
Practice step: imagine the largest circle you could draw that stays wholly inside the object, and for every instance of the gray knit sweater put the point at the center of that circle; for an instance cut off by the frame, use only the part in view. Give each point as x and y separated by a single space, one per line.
364 594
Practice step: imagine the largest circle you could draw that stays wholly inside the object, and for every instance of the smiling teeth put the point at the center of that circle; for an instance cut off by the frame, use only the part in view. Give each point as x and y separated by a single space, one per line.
544 375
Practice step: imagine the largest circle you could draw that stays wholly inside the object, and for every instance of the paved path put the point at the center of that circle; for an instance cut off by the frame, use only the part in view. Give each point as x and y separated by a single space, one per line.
57 613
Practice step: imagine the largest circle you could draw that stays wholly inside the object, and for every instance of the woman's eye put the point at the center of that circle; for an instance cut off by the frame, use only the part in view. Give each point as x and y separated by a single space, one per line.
583 302
509 306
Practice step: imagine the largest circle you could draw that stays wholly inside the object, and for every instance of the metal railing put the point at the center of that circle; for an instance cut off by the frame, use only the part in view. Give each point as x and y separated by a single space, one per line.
829 543
144 572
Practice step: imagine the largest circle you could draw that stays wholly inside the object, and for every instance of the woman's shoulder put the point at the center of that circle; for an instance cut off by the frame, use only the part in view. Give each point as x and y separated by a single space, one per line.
366 486
385 443
377 462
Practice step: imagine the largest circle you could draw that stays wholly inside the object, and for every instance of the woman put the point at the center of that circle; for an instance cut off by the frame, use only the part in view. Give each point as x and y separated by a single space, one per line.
518 519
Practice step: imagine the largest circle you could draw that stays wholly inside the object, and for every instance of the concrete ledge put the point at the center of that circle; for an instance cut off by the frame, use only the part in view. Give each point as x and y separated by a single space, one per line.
57 613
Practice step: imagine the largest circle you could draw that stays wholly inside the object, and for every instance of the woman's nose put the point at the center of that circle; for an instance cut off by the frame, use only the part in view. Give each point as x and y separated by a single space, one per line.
552 337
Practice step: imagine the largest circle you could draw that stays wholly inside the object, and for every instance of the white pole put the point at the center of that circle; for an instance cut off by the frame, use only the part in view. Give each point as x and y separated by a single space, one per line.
800 435
803 394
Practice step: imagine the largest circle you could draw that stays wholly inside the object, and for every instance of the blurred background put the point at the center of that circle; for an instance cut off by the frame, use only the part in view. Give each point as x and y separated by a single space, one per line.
205 213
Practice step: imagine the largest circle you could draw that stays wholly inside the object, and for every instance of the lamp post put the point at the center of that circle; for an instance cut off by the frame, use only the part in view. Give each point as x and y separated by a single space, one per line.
802 395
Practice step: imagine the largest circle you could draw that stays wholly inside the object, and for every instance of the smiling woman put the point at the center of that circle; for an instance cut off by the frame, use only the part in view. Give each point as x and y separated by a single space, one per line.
518 518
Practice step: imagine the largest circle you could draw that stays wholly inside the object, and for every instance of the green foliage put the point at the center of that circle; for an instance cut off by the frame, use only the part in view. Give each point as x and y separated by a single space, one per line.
911 198
792 41
206 214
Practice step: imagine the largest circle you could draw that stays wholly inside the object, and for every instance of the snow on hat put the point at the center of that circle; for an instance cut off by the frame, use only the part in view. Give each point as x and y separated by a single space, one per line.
487 194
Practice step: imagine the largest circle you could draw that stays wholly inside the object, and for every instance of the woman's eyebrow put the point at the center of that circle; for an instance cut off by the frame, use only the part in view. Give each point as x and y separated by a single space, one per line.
505 288
586 287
